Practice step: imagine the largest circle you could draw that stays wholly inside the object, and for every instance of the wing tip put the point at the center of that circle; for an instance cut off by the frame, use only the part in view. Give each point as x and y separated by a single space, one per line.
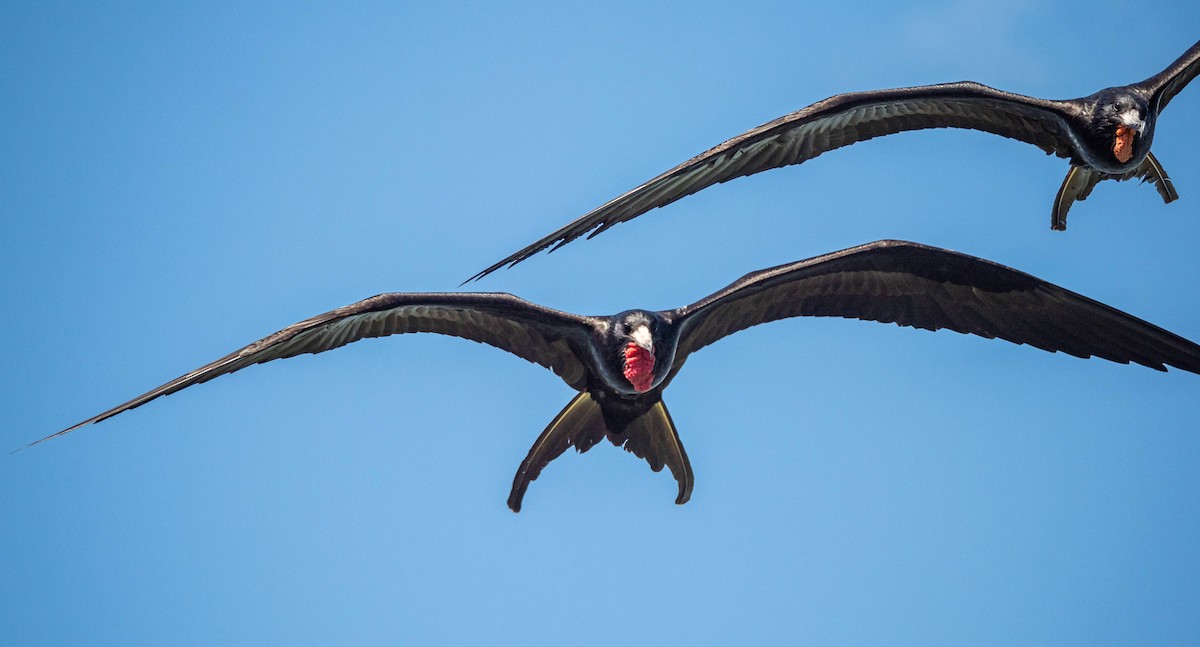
509 262
548 245
479 275
53 435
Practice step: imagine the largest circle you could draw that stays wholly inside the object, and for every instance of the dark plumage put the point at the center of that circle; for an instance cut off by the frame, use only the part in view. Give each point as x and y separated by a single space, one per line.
1106 135
621 364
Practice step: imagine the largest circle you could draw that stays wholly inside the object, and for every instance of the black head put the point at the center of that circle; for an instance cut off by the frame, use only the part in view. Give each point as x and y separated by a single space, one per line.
1121 129
636 353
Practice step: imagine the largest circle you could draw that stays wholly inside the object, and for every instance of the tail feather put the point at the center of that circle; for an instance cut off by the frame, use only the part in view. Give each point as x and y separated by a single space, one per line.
648 434
652 436
1152 171
1080 181
1077 185
580 423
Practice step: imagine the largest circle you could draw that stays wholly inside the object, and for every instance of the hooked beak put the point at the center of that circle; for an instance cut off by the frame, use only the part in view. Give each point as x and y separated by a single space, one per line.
1130 119
641 337
639 360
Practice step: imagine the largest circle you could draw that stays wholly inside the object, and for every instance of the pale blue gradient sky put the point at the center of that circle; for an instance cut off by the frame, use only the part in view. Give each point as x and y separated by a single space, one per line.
178 181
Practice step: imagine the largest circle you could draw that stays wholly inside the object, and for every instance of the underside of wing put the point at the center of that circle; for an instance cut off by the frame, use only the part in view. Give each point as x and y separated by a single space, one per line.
925 287
541 335
824 126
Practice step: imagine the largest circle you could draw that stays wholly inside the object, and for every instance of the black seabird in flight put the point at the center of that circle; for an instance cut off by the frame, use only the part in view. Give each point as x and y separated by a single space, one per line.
621 364
1106 136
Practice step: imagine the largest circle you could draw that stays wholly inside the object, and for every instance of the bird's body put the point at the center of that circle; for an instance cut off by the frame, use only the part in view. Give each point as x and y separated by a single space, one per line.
621 364
1106 135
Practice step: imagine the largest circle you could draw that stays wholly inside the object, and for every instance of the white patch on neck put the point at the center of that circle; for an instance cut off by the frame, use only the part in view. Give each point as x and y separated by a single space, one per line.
1131 119
641 337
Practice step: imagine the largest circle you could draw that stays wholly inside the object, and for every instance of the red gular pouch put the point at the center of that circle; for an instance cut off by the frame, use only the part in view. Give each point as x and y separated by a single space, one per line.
639 367
1123 144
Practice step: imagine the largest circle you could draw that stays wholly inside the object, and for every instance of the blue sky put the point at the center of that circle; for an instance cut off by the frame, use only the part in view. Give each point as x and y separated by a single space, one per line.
178 181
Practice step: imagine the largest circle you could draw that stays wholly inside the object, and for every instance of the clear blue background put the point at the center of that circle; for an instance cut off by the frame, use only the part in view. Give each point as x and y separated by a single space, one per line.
178 181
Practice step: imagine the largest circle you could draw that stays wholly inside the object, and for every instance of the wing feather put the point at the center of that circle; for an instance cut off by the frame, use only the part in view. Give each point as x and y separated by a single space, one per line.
541 335
838 121
1163 87
926 287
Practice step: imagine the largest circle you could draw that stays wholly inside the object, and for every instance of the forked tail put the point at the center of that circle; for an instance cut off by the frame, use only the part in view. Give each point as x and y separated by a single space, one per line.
1081 180
648 433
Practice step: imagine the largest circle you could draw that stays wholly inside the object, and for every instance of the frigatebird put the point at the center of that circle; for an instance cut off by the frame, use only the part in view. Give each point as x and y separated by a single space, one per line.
1106 136
621 364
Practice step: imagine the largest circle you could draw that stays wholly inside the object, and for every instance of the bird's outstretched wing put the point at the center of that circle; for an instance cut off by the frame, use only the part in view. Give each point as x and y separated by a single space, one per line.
1163 87
926 287
838 121
541 335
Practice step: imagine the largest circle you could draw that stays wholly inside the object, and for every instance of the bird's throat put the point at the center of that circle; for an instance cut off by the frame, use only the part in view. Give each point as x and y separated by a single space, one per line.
1123 144
639 367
